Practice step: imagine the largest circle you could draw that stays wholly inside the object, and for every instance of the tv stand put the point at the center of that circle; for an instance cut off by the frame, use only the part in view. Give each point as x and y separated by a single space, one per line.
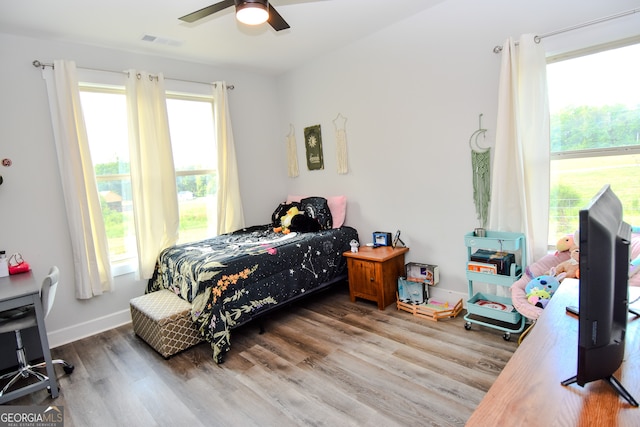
546 357
574 310
614 383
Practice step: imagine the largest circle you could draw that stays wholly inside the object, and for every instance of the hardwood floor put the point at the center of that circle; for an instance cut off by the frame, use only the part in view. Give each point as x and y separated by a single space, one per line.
325 361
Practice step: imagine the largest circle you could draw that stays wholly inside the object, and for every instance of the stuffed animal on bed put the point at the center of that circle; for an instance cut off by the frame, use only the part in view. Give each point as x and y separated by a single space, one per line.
285 220
540 289
303 223
297 221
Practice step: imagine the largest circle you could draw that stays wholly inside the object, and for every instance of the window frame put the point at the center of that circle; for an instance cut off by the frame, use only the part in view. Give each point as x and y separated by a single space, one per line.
125 264
595 152
181 95
200 98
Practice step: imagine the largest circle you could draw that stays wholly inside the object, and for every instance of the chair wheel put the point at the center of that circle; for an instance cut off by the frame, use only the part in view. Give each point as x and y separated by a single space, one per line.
68 369
49 389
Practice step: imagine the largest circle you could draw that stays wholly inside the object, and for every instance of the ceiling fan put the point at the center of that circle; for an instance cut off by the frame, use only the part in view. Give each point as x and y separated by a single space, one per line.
250 12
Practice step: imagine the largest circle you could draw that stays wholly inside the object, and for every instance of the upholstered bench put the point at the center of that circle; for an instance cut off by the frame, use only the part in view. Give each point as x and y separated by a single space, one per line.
163 320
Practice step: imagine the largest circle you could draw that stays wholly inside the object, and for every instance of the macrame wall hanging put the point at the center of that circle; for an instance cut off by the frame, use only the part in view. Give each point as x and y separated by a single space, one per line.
480 162
292 153
340 123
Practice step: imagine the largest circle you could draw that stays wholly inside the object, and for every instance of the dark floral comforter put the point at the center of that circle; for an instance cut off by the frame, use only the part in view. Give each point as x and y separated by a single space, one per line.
232 278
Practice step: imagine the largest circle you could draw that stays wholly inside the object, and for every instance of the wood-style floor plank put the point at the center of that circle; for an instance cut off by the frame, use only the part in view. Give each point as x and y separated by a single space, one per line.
321 362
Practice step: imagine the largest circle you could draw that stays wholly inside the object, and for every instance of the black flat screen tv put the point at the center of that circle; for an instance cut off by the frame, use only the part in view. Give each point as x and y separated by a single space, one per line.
603 291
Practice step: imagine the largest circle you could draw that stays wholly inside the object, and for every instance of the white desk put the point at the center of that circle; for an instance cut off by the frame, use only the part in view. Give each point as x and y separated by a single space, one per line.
18 291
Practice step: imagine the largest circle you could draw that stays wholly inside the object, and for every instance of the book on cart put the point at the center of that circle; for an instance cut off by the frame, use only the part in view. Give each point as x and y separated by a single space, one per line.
502 260
482 267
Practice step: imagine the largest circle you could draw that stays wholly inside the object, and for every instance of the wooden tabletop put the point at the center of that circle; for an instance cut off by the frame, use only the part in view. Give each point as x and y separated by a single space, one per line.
379 254
528 391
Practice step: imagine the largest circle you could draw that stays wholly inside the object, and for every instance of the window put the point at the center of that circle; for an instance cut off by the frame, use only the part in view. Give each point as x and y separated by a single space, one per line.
594 101
105 114
195 161
191 124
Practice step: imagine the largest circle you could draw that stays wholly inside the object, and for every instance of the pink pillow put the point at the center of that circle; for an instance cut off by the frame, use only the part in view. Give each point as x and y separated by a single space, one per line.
291 198
337 206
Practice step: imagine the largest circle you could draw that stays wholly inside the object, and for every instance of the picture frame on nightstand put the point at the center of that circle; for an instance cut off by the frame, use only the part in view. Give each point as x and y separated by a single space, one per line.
397 239
381 238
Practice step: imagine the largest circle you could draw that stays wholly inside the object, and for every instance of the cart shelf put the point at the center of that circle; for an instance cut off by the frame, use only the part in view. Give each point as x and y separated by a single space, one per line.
492 310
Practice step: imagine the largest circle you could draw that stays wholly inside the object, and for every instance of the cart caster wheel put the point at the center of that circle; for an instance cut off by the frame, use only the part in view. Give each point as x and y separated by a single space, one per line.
506 336
68 369
467 326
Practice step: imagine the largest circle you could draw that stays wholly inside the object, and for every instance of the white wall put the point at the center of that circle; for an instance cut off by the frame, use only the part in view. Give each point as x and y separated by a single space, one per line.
32 214
412 94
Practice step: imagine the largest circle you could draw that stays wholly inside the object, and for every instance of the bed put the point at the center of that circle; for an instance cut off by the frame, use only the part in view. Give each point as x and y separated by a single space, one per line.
237 277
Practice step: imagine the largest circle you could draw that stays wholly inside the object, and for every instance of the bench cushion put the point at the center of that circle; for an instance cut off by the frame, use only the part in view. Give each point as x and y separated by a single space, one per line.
163 320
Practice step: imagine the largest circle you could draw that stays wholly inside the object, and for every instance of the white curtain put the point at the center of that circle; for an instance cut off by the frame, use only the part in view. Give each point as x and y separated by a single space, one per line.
520 180
92 271
230 213
153 179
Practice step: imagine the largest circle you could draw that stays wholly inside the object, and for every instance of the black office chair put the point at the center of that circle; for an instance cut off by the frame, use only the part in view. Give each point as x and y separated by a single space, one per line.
25 317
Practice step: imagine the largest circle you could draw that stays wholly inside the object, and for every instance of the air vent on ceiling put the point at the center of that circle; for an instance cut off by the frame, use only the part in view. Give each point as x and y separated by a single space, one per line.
161 40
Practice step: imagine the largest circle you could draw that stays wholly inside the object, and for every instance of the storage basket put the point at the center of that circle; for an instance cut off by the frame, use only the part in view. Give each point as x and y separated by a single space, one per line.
163 320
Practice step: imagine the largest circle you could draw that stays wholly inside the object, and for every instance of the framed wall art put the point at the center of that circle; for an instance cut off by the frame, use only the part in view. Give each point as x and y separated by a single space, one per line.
313 145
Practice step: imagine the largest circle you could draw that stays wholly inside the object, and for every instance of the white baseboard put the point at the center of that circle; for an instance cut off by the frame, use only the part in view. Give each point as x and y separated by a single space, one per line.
86 329
114 320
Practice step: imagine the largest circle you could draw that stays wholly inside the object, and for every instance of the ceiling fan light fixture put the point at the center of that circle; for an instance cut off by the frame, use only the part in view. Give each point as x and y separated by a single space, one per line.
252 12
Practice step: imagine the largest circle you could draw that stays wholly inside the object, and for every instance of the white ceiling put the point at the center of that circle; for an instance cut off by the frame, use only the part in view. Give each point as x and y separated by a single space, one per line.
317 27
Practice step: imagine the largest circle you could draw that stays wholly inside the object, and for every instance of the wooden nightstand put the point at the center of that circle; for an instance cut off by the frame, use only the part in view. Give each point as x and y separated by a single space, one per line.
374 272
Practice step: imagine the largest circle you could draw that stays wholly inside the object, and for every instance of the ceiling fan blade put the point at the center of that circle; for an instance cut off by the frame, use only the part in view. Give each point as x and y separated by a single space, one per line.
206 11
276 20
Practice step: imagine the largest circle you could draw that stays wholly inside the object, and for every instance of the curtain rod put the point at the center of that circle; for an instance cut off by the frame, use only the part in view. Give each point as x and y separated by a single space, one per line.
43 65
537 39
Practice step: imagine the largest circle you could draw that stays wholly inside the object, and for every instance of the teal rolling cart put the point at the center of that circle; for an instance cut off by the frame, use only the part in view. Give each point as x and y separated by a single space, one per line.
487 309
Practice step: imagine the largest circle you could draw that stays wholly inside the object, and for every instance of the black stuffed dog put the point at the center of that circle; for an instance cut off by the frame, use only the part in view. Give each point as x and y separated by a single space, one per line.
290 217
302 223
